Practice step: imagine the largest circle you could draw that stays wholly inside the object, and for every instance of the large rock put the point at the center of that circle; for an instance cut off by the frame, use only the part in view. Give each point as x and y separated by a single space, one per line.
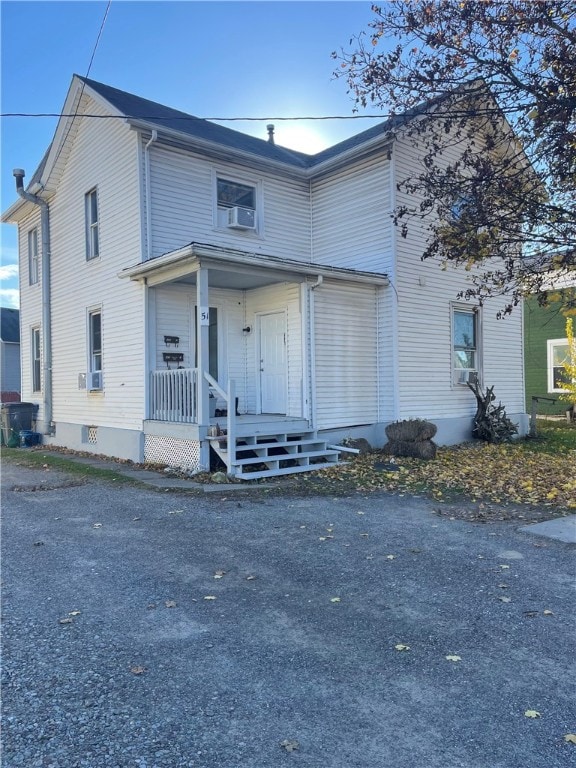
411 430
423 449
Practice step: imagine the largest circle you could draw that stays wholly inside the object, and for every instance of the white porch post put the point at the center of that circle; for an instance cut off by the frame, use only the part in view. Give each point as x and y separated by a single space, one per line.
202 341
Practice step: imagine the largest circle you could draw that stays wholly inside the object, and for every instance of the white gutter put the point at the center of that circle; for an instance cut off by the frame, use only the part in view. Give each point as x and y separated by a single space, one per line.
385 138
48 427
220 256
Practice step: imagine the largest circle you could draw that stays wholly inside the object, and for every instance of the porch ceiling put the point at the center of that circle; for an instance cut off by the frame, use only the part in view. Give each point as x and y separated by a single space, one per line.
229 268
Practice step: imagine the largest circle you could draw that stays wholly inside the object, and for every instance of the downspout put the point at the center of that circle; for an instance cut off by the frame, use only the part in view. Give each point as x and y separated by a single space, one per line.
153 138
48 427
312 356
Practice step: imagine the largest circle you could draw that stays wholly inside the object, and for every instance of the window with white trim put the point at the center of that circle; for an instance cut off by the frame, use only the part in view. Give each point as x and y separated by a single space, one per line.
465 344
36 355
33 257
558 356
91 218
94 349
236 204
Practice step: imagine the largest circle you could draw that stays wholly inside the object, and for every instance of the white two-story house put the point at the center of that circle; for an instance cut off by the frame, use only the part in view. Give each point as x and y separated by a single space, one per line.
180 279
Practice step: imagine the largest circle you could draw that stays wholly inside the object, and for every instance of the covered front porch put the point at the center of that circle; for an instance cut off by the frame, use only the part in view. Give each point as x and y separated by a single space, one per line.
230 349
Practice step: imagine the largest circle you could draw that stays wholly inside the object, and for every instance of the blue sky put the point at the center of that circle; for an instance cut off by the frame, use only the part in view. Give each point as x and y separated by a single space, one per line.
211 59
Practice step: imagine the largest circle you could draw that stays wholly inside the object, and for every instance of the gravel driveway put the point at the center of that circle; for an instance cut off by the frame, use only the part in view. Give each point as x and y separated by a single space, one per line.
159 630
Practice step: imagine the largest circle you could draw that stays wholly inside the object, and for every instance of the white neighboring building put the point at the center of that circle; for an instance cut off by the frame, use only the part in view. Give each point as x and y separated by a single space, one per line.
193 267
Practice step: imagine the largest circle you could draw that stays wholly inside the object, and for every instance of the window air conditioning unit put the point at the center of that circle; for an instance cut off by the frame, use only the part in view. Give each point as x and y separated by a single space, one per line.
241 218
468 377
94 380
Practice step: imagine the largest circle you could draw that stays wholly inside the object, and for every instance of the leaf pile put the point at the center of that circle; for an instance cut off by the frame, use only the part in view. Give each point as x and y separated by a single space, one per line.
512 473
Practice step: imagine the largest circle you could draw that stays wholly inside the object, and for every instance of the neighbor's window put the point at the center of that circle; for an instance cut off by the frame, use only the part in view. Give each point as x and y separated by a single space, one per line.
236 204
95 340
558 356
36 360
464 342
91 210
33 257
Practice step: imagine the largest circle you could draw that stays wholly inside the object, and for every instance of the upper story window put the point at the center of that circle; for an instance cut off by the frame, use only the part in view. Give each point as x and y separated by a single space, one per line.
33 257
558 357
236 204
91 213
36 360
465 351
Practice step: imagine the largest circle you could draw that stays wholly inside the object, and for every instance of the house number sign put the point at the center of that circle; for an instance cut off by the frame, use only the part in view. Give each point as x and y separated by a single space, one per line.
204 316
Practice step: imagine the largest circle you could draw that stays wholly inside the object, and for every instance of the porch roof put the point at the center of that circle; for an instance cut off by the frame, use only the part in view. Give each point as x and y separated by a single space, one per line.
234 268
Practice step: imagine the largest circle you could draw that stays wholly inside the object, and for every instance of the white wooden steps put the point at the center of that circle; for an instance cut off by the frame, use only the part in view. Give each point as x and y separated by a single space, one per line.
280 453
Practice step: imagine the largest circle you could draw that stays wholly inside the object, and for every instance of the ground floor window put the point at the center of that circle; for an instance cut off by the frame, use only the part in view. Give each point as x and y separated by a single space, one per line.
36 360
94 349
465 344
558 357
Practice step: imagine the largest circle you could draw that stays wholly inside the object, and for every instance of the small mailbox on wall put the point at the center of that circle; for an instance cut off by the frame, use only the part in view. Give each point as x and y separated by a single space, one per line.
173 357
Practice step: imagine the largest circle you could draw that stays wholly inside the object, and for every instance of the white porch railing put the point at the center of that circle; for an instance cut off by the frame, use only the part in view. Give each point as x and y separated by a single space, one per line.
173 395
230 398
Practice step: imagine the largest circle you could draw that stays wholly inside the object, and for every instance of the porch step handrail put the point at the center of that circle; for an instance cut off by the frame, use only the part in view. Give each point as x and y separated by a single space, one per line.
213 383
230 399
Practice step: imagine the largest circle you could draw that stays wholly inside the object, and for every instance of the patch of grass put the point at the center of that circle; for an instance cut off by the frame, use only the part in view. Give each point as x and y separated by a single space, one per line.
555 437
38 459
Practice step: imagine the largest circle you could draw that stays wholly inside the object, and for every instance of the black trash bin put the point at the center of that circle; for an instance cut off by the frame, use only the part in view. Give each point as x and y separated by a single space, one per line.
16 417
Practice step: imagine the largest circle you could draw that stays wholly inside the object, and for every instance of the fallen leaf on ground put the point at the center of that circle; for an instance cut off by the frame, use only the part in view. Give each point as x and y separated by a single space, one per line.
532 713
505 599
289 745
454 658
401 647
335 599
97 525
170 603
547 613
175 511
250 578
137 670
570 738
218 574
67 620
209 597
390 557
74 613
505 567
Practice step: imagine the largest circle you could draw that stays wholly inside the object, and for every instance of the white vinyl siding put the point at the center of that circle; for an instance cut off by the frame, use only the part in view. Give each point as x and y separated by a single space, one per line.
426 294
351 219
346 355
106 160
183 202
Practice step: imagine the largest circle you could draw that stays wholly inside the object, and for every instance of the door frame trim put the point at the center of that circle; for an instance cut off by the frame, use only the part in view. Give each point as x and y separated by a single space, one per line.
258 316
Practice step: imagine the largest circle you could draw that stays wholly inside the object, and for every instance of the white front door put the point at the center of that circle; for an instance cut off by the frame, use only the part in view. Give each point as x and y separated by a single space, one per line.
272 343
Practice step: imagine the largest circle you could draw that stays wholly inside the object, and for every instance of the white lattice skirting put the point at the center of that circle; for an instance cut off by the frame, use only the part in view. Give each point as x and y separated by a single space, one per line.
172 451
